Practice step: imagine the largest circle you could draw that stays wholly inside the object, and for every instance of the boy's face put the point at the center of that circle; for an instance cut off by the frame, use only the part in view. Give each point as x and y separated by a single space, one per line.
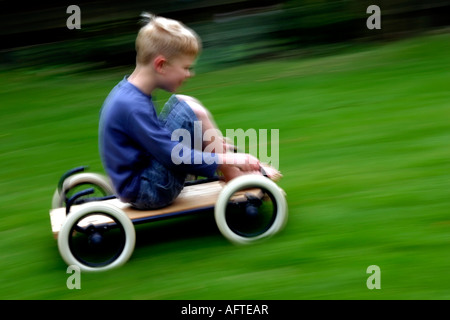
175 72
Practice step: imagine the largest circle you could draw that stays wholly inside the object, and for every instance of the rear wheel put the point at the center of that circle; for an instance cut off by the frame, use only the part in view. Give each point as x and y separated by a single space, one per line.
81 181
97 237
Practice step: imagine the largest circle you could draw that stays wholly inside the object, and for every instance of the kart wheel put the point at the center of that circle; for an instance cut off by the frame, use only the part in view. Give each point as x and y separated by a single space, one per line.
243 217
81 181
97 237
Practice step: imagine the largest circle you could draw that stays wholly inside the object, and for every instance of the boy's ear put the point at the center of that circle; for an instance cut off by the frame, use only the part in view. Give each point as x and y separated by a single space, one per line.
159 63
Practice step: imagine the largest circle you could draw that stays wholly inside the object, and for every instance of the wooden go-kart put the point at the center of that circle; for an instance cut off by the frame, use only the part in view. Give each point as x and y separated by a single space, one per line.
95 230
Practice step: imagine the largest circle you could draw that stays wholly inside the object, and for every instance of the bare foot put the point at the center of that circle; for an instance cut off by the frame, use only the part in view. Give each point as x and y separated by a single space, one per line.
271 172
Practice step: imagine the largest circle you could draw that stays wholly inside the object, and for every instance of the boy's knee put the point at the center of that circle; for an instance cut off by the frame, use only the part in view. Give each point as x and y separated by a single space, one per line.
188 99
200 111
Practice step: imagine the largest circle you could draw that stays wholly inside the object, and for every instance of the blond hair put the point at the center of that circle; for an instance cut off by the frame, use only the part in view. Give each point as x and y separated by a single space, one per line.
167 37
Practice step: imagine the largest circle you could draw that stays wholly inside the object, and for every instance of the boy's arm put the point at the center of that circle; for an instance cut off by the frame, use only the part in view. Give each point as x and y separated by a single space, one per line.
158 142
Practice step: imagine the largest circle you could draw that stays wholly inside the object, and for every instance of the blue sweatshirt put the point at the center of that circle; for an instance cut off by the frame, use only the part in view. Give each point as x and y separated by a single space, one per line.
131 136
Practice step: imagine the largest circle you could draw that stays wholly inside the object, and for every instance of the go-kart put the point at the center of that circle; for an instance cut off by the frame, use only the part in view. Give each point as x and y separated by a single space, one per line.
95 230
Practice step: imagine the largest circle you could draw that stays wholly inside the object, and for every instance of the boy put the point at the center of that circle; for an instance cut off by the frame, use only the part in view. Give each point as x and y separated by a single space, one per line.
135 143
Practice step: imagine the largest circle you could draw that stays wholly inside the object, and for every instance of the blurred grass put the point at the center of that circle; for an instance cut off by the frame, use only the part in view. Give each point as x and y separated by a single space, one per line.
364 149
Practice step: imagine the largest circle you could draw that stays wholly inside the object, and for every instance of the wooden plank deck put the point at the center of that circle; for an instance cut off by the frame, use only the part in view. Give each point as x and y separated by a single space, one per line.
192 197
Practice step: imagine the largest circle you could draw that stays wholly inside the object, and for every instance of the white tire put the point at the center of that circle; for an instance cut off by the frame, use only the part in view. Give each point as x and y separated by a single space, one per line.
94 208
70 182
246 182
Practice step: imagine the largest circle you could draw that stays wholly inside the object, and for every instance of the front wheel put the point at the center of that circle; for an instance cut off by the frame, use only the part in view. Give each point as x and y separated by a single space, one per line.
250 208
97 237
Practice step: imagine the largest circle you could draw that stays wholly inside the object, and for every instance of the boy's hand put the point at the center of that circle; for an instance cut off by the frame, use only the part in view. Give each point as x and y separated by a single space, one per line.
236 164
245 162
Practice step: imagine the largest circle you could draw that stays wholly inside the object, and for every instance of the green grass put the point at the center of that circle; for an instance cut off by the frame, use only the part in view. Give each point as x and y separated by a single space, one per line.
365 153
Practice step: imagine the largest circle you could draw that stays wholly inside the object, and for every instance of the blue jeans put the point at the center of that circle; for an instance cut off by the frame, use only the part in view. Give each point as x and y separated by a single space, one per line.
160 186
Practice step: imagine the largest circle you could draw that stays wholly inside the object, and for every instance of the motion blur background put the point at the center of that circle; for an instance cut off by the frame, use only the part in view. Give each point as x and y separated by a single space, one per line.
233 31
363 118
